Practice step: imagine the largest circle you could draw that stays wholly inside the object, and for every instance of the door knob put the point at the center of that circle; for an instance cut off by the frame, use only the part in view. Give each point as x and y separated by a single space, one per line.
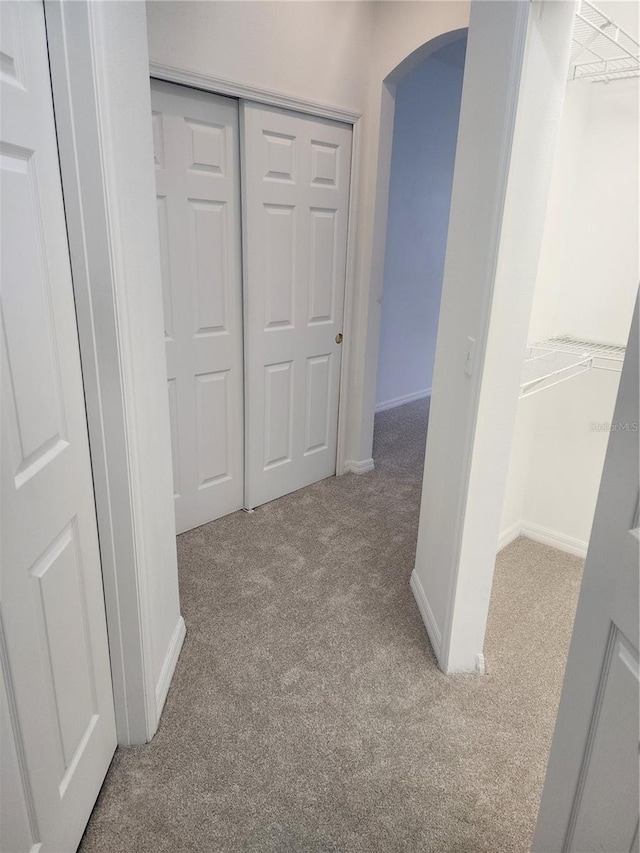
339 338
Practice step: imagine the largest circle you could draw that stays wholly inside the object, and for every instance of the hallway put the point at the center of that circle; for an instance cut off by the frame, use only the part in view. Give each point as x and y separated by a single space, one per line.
307 714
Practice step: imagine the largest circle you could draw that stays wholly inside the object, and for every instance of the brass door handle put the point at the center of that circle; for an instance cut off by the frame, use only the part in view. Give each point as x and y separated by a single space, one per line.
339 338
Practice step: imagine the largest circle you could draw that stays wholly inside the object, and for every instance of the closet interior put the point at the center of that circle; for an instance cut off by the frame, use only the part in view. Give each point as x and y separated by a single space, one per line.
585 291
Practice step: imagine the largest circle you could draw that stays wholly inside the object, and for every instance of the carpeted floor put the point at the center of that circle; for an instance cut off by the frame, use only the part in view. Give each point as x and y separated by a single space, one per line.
307 714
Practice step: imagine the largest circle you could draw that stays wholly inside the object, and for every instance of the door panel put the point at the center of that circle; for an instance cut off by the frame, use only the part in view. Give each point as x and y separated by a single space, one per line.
198 184
58 732
318 403
296 172
278 420
590 796
607 811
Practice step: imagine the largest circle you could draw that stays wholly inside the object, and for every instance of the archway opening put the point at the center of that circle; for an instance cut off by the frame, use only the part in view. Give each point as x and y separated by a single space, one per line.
425 127
422 114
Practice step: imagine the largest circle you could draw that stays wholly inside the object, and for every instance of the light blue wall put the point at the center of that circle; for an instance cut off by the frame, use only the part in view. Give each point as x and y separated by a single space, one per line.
424 143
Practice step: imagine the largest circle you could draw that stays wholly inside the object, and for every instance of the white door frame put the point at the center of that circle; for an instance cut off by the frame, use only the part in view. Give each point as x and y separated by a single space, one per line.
221 86
92 46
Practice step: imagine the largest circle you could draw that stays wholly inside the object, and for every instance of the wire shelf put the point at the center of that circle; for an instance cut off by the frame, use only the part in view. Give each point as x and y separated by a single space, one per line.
543 368
560 358
601 50
605 356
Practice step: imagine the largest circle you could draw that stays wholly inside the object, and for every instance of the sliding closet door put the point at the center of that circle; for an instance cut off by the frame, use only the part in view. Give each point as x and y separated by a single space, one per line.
296 171
198 187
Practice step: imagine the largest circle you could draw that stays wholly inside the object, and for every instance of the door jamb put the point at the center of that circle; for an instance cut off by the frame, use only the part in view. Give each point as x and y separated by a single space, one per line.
222 86
79 36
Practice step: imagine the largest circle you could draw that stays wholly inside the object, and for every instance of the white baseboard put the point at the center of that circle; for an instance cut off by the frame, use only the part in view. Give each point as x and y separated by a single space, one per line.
361 467
507 536
400 401
169 665
561 541
553 538
427 616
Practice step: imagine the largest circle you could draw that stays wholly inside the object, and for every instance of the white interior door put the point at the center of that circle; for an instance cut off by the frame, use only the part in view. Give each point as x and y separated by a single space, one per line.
57 725
296 172
198 188
590 797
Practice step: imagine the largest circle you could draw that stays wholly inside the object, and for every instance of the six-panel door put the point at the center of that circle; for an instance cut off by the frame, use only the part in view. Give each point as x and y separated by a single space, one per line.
295 173
198 193
57 719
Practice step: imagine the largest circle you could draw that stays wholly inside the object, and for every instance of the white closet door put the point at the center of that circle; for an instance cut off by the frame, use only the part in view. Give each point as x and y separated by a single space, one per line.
57 727
296 172
198 186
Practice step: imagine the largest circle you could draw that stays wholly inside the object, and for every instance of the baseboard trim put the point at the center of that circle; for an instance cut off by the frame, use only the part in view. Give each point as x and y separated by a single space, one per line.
509 535
361 467
427 615
169 665
544 535
561 541
400 401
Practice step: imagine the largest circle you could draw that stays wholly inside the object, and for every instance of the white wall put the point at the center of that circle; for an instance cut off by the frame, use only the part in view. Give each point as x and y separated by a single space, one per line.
424 143
538 120
566 458
506 143
336 53
586 286
518 471
316 50
589 260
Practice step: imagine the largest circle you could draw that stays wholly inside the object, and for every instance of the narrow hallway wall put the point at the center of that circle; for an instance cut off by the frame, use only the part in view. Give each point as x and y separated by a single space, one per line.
424 144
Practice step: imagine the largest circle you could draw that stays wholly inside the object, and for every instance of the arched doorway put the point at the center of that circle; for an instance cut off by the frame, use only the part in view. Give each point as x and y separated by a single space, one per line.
427 107
371 327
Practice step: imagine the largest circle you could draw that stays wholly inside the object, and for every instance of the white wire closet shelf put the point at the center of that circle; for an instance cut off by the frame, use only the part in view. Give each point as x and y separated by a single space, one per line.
601 50
557 359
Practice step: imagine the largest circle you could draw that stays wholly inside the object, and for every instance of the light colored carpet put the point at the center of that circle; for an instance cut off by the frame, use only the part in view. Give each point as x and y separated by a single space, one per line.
307 714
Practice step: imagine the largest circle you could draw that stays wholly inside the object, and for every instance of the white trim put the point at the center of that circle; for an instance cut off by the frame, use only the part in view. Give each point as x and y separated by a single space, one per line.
109 195
222 86
245 310
544 535
400 401
361 467
509 535
346 361
427 615
73 38
554 538
134 506
486 281
169 664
